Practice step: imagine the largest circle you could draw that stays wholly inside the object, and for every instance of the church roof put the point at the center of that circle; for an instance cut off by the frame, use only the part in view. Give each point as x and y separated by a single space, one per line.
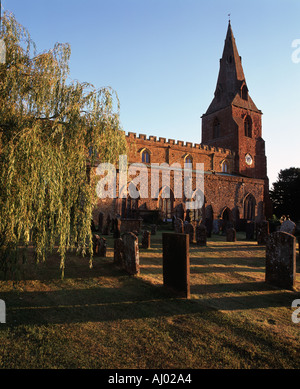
231 86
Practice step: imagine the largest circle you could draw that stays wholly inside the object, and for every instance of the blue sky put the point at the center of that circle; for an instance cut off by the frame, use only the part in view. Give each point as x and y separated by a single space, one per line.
162 58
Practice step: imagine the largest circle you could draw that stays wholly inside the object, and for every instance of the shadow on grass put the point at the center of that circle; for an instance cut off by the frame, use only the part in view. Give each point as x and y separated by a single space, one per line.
135 299
229 247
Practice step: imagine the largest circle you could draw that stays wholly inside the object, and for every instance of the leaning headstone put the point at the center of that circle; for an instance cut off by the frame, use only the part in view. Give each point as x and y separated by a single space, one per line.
131 262
118 252
262 231
201 235
190 230
281 260
178 225
146 240
96 245
250 229
176 263
288 226
102 247
231 235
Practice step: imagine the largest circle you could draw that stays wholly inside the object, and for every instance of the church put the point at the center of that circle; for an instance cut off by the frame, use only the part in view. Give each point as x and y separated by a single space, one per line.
232 151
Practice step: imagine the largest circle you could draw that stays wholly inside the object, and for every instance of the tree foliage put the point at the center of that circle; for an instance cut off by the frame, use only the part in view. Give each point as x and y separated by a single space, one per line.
285 194
48 124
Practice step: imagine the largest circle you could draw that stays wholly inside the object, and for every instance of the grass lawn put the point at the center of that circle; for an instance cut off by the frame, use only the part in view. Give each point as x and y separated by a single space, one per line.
102 318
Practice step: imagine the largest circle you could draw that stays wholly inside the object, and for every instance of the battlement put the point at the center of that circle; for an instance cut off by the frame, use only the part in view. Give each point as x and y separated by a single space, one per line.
187 145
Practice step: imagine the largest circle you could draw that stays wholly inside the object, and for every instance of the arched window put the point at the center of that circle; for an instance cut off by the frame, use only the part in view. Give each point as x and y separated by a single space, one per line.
145 156
216 129
224 167
188 159
244 92
129 208
249 207
166 203
196 214
248 127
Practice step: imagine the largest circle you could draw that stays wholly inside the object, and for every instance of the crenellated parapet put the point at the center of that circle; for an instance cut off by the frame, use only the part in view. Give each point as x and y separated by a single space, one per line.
152 141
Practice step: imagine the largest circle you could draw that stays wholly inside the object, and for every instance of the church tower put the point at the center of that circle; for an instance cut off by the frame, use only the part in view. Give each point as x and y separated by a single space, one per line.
232 120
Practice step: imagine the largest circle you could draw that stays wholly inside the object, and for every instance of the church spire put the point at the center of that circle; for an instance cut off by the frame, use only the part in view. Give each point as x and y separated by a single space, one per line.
231 85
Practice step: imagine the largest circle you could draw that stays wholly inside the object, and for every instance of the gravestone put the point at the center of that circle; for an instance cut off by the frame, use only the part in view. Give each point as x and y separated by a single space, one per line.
100 222
96 245
106 229
250 229
189 229
131 261
209 226
262 231
146 240
187 216
117 228
288 226
281 260
102 247
176 263
201 235
178 225
153 229
118 252
231 235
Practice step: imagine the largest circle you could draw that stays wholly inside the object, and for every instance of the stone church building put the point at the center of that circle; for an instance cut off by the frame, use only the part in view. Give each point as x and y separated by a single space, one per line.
232 150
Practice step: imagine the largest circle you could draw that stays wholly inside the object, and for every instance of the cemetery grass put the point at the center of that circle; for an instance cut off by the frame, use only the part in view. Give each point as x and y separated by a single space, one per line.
100 318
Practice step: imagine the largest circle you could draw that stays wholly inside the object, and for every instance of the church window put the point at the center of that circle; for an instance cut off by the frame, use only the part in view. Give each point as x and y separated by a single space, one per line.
224 167
249 207
248 127
216 129
244 93
166 203
188 159
145 156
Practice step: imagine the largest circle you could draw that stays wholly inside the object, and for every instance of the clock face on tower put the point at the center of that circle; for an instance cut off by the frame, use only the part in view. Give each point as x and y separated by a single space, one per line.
248 159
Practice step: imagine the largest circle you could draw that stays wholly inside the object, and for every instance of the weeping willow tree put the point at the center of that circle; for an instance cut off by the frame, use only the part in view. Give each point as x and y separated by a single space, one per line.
48 125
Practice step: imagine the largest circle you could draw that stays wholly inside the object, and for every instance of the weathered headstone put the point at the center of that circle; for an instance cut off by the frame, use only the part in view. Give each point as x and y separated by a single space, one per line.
231 235
190 230
102 247
118 252
201 235
96 245
281 260
262 231
209 226
146 240
153 229
100 222
106 229
176 263
288 226
178 225
131 262
117 228
250 229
